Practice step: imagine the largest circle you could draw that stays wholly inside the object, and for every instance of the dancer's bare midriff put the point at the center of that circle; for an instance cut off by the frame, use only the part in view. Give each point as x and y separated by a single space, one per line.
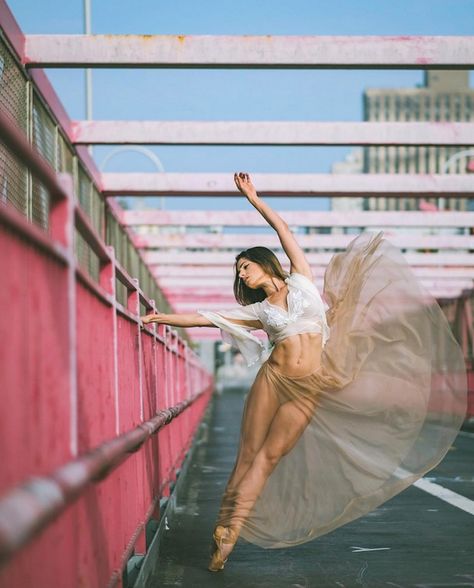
297 355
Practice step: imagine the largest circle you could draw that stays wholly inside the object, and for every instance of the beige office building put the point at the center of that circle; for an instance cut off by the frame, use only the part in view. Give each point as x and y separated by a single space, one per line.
445 96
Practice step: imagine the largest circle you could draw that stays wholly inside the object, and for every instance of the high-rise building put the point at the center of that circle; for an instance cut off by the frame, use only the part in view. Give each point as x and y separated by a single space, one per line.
445 96
353 163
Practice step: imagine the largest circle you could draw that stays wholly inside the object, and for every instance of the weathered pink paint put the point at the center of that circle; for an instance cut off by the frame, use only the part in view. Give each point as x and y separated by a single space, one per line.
227 259
120 132
307 218
470 166
80 383
314 241
249 51
334 185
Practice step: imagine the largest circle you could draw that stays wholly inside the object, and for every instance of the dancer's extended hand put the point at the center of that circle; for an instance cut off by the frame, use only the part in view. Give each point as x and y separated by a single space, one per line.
149 318
244 185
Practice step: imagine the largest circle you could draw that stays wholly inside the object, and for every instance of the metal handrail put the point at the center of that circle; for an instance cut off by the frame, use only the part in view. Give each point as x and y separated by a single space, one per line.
32 505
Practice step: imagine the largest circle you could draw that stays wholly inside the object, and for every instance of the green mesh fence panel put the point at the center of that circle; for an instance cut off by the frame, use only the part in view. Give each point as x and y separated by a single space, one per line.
64 157
98 211
84 187
13 100
44 139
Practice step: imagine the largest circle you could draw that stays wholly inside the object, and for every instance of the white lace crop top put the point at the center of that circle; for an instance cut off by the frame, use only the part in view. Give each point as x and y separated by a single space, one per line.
306 314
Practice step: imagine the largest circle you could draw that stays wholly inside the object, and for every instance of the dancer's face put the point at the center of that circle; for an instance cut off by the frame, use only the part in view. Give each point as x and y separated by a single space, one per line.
251 273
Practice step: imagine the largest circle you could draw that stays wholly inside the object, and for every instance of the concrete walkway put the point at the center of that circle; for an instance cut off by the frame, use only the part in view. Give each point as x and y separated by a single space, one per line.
415 539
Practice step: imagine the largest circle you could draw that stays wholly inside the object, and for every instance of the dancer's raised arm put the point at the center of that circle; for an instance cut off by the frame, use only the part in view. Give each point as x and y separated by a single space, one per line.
298 261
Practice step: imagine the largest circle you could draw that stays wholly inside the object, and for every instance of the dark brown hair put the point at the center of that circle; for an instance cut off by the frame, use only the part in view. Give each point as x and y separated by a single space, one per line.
269 263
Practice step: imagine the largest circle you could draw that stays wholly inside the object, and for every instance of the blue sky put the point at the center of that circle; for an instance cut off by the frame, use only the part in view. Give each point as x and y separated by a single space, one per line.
237 94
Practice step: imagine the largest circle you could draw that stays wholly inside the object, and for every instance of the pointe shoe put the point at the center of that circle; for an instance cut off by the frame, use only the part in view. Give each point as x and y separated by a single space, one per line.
222 535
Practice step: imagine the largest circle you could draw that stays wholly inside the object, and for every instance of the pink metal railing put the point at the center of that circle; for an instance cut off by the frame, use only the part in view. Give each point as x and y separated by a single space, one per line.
86 395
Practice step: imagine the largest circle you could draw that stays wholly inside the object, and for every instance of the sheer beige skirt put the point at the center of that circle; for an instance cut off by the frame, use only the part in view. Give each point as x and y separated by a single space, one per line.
380 411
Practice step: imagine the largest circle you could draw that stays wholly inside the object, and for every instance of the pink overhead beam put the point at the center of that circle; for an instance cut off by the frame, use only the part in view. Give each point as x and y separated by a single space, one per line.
222 184
211 304
178 285
168 275
314 241
249 51
307 218
271 133
196 294
227 259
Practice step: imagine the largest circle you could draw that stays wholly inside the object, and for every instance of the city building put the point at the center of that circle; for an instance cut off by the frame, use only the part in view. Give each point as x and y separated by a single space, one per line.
444 96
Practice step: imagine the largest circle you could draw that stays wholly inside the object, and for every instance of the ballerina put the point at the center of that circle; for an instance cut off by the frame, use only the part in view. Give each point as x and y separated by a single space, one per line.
352 405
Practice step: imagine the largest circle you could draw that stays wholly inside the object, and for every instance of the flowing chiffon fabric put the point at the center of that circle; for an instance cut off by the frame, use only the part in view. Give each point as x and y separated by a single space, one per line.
383 407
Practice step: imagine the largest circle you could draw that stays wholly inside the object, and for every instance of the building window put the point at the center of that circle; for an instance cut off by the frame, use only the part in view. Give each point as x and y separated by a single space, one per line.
447 107
468 108
398 107
457 108
416 108
437 109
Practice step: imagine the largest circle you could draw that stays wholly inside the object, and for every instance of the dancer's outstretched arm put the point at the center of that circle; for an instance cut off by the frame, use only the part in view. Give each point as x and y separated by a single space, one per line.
191 320
298 261
177 320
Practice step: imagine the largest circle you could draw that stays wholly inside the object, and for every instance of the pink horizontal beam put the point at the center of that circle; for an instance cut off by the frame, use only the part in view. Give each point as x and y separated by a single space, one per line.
271 133
222 258
314 241
176 286
334 185
307 218
192 306
249 51
176 275
203 295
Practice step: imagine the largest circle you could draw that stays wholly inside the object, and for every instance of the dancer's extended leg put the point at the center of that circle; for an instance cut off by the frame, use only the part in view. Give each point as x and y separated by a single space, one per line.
260 408
286 428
